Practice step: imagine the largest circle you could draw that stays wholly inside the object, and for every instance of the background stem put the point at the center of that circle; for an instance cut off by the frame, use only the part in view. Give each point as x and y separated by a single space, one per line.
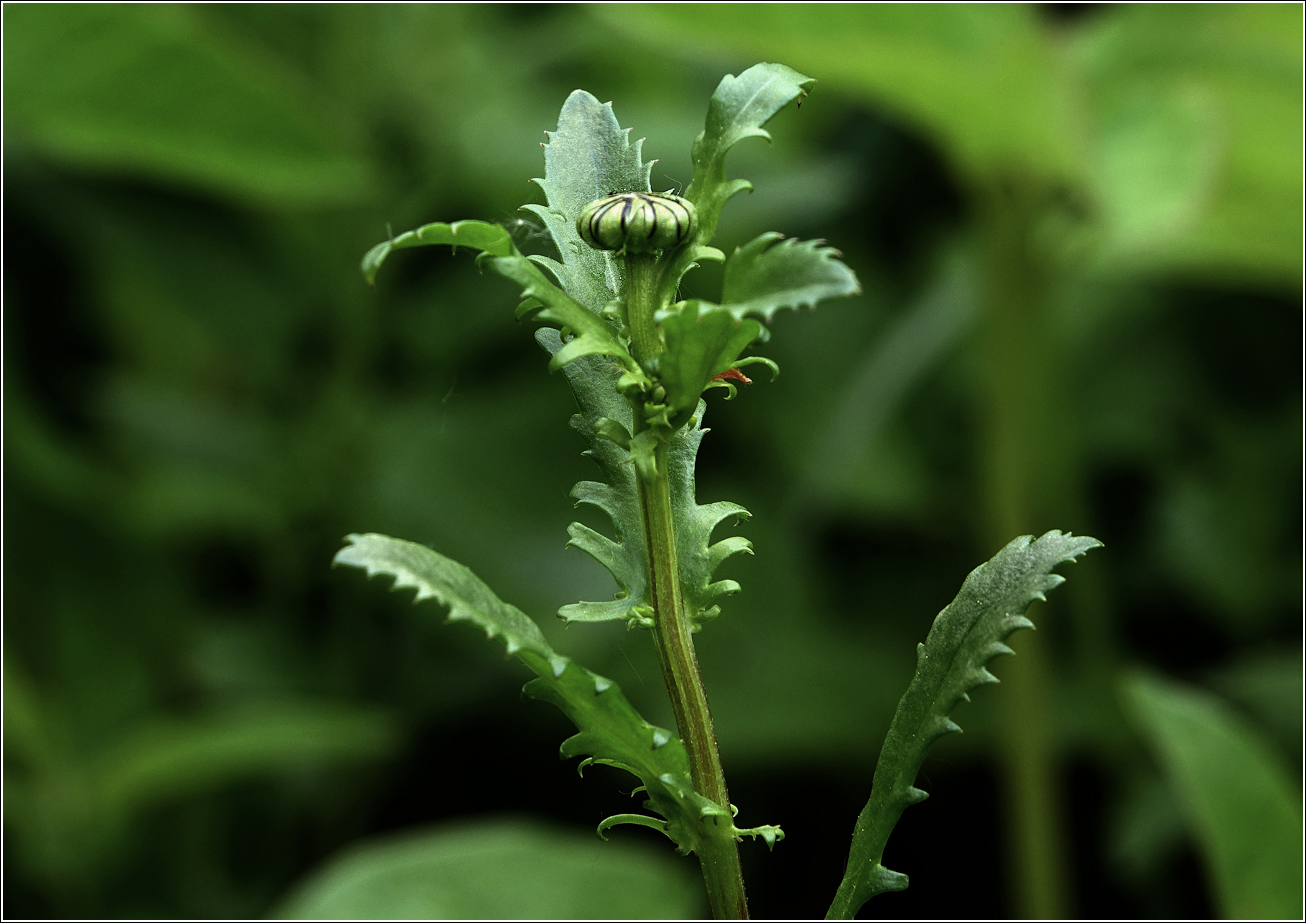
1023 489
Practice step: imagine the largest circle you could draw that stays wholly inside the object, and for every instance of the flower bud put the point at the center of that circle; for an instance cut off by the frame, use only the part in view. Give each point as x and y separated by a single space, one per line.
638 222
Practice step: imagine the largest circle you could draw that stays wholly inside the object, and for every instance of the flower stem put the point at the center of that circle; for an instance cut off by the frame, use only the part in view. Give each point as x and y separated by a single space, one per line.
717 850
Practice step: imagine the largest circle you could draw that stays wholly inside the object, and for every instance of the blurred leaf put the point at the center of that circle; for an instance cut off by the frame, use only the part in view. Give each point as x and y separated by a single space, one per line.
1242 808
151 90
983 81
874 389
170 758
1198 134
1147 828
505 869
1269 685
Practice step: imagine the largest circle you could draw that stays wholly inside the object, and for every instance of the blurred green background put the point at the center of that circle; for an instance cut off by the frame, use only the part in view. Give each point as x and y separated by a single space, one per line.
1079 231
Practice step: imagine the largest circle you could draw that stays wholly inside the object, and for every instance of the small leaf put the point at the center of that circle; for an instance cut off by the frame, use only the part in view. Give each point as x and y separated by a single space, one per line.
1242 807
590 156
770 273
703 340
963 639
496 869
738 110
694 525
478 235
545 302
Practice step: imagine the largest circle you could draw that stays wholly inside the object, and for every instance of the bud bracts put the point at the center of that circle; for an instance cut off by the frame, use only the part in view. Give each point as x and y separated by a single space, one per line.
638 222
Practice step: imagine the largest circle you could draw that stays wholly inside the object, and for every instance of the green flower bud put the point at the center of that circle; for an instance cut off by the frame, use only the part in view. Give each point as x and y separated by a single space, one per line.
638 222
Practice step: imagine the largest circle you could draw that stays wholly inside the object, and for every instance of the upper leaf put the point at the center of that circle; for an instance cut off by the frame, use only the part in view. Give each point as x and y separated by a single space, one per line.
738 110
609 729
593 382
770 273
479 235
545 301
963 639
590 156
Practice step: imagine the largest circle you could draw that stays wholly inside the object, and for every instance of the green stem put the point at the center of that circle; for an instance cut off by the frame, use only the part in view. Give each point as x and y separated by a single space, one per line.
717 851
643 299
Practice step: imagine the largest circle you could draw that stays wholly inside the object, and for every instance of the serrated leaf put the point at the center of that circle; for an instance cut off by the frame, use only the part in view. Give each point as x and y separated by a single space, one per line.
545 302
963 639
1241 805
608 727
477 235
770 273
588 157
593 382
702 340
738 110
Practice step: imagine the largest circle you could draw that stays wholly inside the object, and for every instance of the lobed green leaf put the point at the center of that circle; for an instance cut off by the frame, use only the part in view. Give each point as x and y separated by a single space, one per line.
770 273
963 639
593 381
609 730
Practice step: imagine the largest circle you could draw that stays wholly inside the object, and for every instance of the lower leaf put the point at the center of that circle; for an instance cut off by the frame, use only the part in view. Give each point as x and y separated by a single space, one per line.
963 639
609 730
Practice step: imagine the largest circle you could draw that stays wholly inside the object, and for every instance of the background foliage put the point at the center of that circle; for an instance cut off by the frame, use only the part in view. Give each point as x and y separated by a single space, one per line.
1079 235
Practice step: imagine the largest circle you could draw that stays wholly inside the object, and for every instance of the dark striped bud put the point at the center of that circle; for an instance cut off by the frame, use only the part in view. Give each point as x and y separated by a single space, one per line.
639 222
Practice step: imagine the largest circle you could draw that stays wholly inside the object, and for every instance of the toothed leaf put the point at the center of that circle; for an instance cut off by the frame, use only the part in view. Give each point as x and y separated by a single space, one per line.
594 383
964 638
738 110
694 525
590 156
770 273
545 302
703 340
478 235
609 730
